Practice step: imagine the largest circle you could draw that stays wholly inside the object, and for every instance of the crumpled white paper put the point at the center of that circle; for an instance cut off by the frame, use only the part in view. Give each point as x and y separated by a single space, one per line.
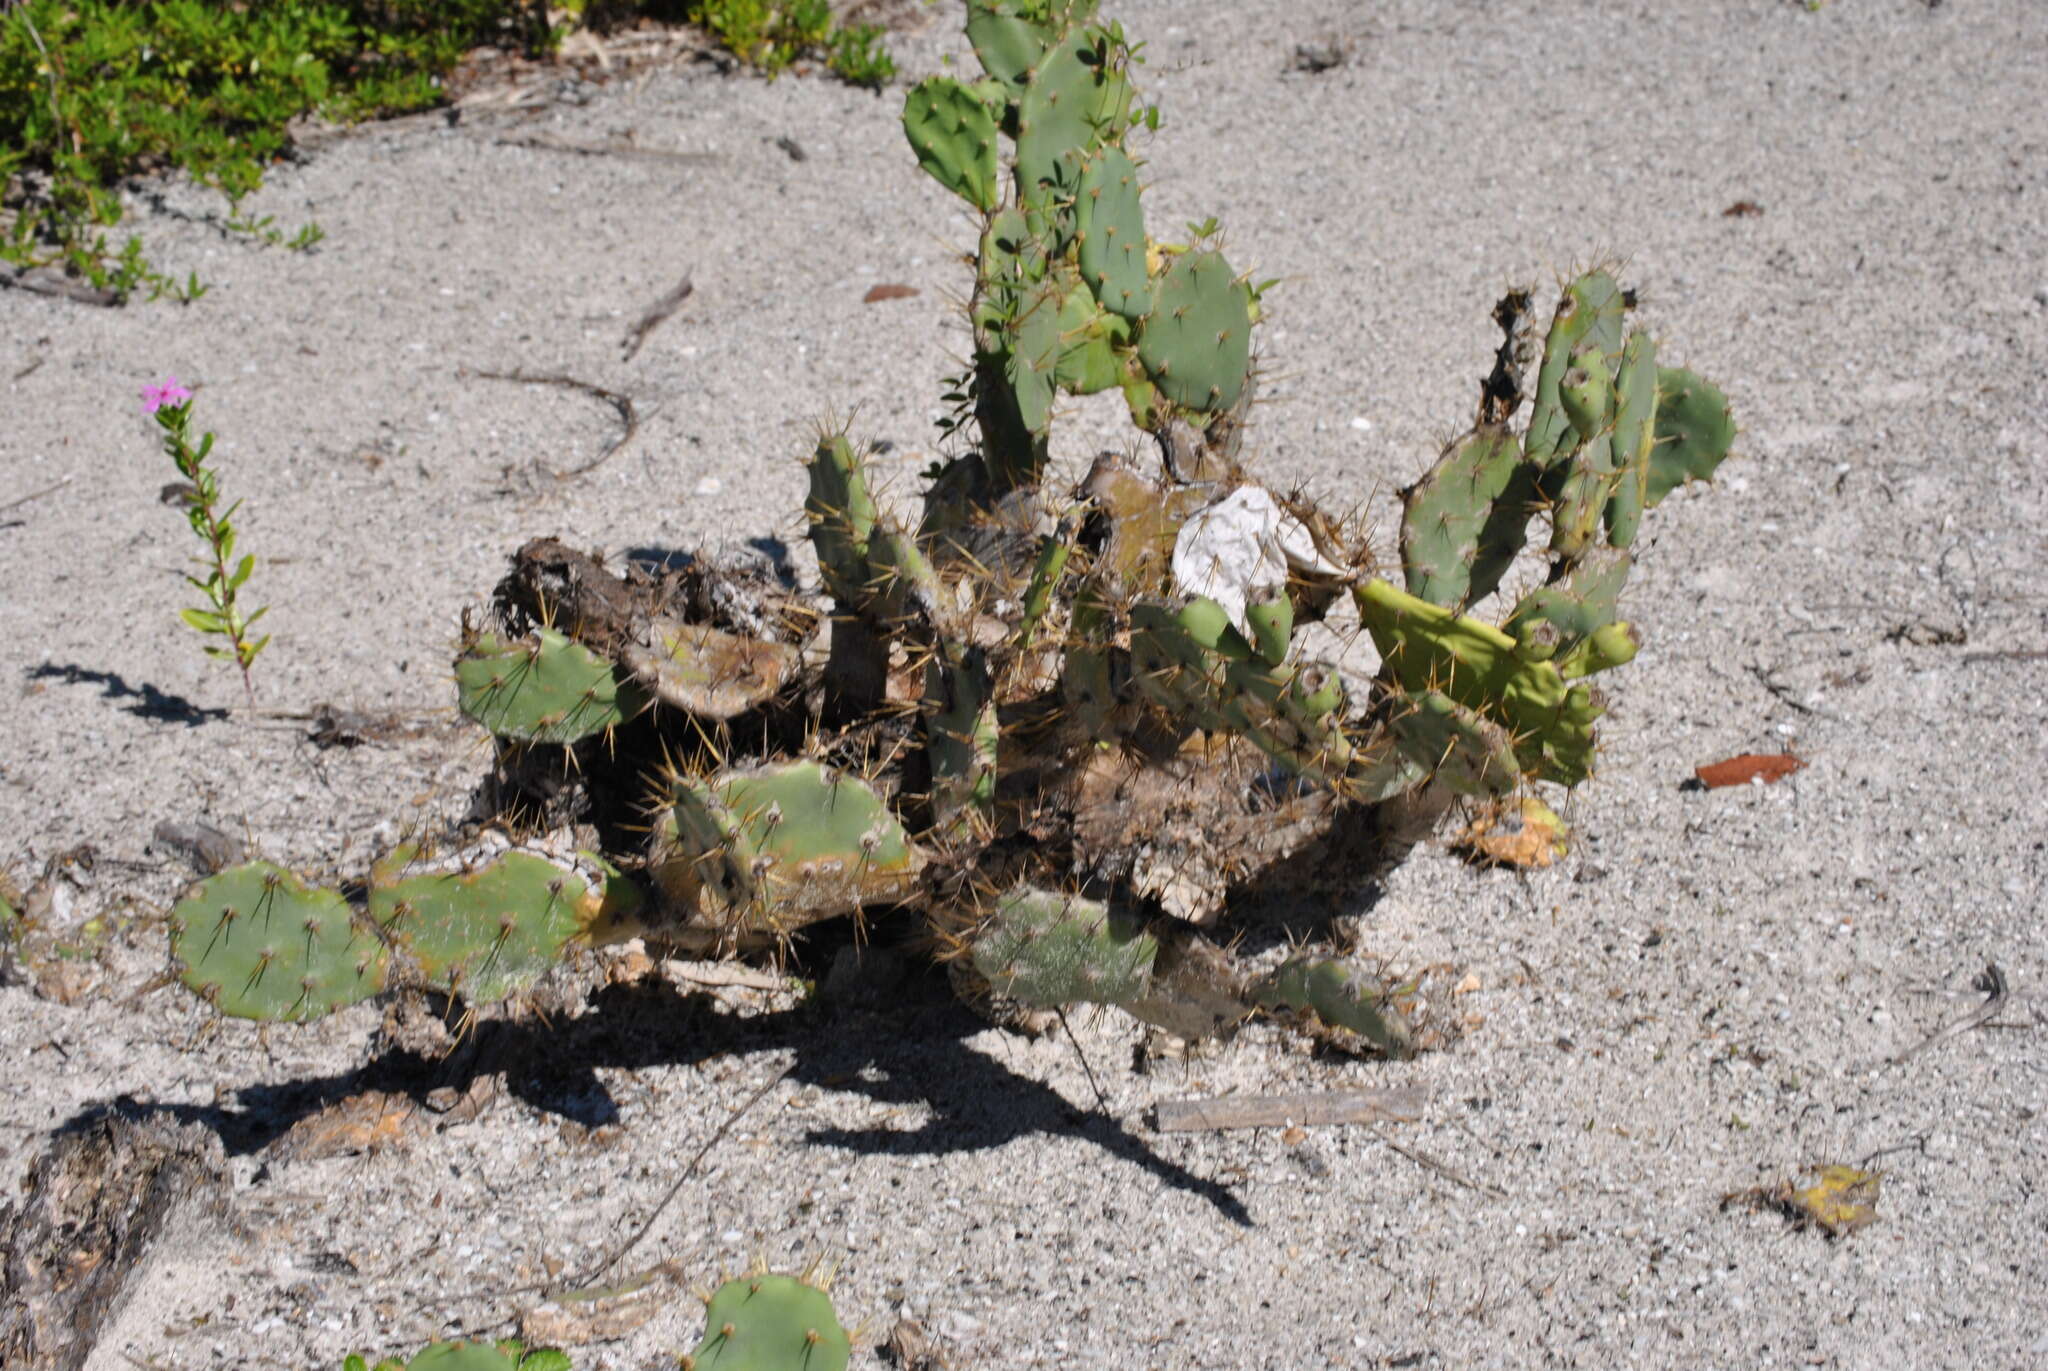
1242 548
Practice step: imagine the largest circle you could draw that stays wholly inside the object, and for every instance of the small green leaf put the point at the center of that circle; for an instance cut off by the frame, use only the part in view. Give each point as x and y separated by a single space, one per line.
241 574
203 621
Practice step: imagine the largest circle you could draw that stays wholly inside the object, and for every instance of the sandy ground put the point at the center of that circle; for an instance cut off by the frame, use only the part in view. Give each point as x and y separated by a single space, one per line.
1708 995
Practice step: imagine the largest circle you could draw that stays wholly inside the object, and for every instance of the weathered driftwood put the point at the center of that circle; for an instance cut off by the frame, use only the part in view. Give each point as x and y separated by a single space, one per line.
76 1245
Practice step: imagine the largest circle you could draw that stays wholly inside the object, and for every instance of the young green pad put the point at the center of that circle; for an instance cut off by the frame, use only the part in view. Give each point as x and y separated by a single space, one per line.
786 844
256 943
1048 949
1694 432
486 933
954 134
767 1322
1555 619
1426 647
1110 246
1196 338
1341 996
545 689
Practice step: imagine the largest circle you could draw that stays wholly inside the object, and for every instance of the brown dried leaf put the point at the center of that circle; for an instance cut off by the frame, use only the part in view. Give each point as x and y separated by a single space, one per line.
1750 766
887 292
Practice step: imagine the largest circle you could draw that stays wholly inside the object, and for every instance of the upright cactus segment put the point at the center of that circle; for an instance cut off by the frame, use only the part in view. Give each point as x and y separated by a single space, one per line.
872 568
256 943
961 741
784 845
767 1322
1110 244
483 933
1589 315
544 690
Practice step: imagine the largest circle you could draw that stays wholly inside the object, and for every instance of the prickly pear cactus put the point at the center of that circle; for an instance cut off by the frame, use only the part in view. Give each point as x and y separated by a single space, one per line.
767 1322
1065 717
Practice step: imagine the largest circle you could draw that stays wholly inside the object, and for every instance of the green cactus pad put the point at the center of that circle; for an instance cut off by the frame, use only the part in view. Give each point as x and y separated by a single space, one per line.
484 933
954 134
545 689
1340 996
256 943
1426 647
1110 241
787 844
1011 36
1196 338
1453 744
767 1322
1464 522
1694 432
1634 433
1076 100
1555 619
1049 949
1590 312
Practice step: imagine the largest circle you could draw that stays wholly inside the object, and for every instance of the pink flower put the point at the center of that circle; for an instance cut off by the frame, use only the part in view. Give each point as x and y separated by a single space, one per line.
169 393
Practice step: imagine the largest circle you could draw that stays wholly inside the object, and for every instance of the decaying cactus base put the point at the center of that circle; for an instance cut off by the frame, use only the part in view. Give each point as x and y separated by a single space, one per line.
1068 718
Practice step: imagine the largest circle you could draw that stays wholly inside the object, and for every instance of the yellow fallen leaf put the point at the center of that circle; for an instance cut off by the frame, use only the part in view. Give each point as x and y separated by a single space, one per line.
1843 1200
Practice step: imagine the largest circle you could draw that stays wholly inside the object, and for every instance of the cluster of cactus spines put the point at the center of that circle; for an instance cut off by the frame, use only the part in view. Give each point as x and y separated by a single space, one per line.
763 1321
1101 689
257 943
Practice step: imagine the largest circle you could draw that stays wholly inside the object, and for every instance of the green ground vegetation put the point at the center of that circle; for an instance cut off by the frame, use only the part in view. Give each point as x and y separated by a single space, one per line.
95 91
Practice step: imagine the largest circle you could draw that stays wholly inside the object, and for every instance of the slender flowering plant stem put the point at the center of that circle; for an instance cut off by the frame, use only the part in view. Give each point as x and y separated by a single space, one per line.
171 403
